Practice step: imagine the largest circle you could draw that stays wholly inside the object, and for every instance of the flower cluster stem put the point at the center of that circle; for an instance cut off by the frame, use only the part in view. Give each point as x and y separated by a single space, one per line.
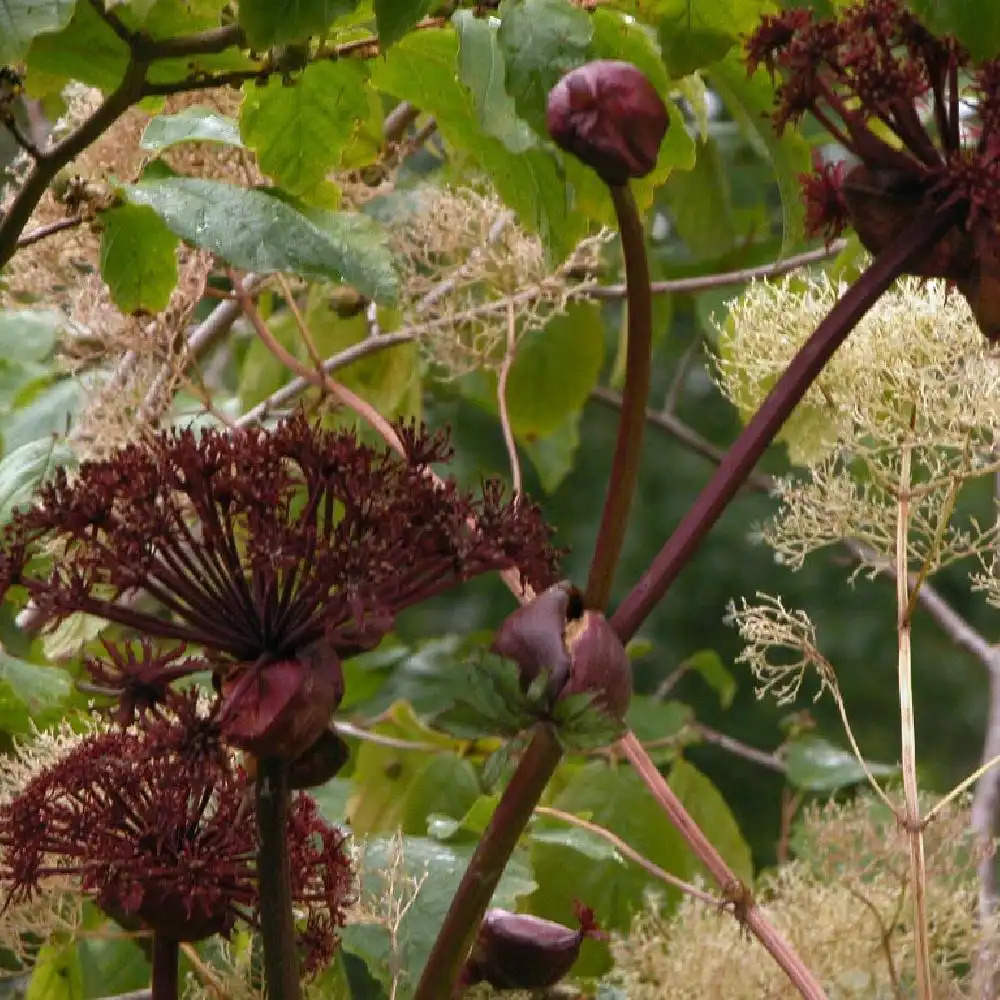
492 853
908 754
631 423
739 461
166 954
735 893
281 967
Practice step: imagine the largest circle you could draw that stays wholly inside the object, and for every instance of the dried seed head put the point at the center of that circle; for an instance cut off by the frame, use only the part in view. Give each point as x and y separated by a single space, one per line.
610 116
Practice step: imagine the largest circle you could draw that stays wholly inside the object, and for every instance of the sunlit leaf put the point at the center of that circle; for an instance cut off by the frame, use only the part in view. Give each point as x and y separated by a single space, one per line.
259 232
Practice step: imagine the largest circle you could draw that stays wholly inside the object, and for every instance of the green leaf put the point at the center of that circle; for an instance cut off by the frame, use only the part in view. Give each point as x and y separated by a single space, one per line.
714 672
22 20
583 725
615 798
111 965
421 69
68 638
694 33
45 408
446 786
388 379
700 205
749 99
24 470
391 863
86 50
488 700
138 258
57 974
29 334
258 232
194 124
278 22
816 765
481 68
553 454
653 719
300 130
706 806
30 694
395 18
976 23
384 774
555 371
541 40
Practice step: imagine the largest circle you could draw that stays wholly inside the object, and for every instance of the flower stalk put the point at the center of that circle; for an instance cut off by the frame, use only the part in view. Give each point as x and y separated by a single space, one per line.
908 744
166 953
638 364
277 923
738 463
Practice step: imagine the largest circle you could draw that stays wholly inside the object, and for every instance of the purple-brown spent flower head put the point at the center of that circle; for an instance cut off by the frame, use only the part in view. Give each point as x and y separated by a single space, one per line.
139 677
610 116
517 951
892 94
578 647
153 836
827 212
276 552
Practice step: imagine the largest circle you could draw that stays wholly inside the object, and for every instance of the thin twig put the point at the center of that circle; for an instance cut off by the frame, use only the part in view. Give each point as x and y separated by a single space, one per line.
43 232
740 749
703 282
632 854
508 434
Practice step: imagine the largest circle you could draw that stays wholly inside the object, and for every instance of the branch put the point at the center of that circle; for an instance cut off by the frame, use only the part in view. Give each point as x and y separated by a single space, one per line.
702 282
43 232
362 48
740 749
53 160
760 431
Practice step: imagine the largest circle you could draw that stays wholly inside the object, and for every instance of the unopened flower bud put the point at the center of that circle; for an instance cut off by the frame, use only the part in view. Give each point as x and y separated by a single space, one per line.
599 664
516 951
532 636
610 116
579 649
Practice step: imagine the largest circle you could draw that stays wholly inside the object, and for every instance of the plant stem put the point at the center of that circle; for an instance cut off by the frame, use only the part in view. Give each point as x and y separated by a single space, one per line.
745 909
166 953
492 853
632 422
281 966
758 434
908 750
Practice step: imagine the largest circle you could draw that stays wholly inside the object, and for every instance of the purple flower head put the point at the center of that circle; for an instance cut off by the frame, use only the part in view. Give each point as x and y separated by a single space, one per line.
891 94
275 552
159 826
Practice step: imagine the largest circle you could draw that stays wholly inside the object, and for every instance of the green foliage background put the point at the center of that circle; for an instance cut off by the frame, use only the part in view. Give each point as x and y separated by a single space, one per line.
724 195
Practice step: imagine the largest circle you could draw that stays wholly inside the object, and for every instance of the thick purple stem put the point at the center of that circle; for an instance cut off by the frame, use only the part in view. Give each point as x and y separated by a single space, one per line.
739 461
166 955
631 423
277 926
494 849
